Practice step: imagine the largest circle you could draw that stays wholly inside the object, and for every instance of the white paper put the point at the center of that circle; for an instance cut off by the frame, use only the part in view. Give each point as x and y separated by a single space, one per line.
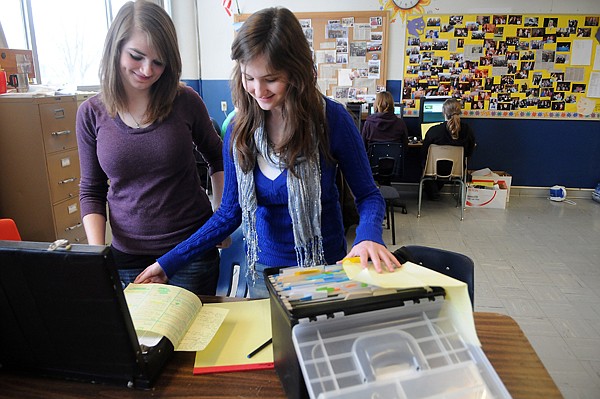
362 31
574 74
374 69
581 52
597 59
593 89
344 77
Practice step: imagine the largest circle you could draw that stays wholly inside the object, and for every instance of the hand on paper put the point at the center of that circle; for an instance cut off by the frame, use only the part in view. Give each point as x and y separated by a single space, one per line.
152 274
378 254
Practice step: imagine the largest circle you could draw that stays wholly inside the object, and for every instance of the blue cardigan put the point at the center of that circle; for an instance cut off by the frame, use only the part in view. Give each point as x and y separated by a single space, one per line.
273 222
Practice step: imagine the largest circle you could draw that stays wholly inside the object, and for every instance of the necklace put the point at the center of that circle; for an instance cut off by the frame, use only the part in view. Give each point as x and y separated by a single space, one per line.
137 124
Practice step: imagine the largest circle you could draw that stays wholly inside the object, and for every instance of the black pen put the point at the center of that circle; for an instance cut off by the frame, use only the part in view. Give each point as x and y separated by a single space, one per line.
263 346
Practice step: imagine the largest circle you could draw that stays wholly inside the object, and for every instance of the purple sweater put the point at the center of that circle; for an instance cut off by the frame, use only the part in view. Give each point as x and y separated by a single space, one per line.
155 198
384 127
273 222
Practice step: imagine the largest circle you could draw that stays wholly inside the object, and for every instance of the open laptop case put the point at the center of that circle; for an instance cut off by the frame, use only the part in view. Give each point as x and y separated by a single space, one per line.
64 315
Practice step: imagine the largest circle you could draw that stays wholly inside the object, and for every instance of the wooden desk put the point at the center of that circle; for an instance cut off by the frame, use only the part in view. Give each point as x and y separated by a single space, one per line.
503 342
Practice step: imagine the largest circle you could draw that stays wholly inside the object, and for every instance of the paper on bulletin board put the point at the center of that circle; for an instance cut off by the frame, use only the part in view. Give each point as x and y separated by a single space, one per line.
597 59
457 305
581 52
594 85
344 77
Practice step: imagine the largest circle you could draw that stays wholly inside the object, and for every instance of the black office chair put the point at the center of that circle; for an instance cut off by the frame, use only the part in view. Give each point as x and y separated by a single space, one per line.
355 110
386 163
449 263
202 165
233 267
395 151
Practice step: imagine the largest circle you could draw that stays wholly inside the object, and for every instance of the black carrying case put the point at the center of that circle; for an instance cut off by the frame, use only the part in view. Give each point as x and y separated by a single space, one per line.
64 315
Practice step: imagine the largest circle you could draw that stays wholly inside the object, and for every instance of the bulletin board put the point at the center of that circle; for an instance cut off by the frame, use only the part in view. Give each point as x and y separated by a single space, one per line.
349 50
504 65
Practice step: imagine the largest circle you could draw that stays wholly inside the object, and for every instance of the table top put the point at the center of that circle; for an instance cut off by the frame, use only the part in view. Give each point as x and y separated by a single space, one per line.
503 342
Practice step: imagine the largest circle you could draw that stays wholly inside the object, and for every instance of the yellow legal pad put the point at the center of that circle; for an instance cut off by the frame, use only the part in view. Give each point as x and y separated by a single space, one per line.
246 327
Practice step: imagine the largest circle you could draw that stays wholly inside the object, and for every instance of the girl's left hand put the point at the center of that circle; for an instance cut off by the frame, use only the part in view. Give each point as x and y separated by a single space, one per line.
152 274
378 254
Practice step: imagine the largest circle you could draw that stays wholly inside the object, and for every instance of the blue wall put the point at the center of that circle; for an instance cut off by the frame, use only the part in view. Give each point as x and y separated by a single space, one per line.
539 153
536 152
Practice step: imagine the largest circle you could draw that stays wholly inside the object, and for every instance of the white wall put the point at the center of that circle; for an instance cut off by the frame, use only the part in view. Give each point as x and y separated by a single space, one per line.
216 27
183 13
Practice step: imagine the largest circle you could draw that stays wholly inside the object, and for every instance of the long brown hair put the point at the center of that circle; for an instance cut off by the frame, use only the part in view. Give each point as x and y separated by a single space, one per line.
158 26
452 110
276 34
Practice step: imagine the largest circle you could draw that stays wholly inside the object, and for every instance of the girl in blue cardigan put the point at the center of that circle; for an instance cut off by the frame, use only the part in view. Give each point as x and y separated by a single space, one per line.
281 156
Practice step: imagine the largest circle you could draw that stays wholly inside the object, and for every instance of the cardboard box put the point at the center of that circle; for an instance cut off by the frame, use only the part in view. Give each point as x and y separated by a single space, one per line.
484 198
8 60
499 177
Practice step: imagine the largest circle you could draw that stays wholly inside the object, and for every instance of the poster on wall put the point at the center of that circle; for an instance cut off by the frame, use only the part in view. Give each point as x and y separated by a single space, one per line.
505 65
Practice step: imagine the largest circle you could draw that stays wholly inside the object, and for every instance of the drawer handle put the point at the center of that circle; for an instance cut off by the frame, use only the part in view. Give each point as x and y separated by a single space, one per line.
69 180
59 113
78 225
61 133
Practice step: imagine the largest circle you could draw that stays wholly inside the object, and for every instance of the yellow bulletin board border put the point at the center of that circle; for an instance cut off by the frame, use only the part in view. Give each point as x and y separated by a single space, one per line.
505 65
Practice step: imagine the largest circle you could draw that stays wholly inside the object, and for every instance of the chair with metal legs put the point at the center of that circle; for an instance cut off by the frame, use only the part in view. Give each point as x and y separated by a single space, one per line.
445 163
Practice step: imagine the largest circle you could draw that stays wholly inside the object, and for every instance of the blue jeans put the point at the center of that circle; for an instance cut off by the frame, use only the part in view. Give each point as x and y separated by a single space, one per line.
258 287
200 276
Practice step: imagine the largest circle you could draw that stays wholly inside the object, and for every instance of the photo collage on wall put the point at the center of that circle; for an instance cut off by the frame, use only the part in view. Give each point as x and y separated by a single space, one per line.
504 65
348 54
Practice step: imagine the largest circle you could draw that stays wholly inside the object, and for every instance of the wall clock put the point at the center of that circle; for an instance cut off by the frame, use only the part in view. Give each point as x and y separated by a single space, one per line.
403 8
406 4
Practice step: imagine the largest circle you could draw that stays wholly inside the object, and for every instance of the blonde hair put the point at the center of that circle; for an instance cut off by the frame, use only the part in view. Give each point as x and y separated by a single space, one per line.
452 111
158 26
384 102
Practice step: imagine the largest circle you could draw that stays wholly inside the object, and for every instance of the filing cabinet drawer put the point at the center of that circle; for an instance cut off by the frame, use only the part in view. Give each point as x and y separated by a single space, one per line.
68 221
58 125
63 175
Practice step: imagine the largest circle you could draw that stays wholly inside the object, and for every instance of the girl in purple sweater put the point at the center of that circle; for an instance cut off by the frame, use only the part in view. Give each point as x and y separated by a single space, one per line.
281 156
136 147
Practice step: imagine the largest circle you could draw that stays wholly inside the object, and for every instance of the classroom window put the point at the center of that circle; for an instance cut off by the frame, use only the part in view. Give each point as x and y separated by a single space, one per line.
66 36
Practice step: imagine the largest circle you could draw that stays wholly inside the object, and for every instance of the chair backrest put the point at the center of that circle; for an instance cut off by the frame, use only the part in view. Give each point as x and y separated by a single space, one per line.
376 151
384 171
8 230
437 155
232 273
216 125
449 263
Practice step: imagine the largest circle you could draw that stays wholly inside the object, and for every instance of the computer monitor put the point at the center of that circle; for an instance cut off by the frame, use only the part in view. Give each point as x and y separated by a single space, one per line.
425 128
398 109
431 112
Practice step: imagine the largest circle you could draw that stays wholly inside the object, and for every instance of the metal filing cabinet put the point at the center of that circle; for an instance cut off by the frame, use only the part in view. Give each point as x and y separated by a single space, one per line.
39 167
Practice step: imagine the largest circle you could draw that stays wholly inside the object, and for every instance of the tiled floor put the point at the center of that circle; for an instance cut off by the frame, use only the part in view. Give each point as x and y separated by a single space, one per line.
537 261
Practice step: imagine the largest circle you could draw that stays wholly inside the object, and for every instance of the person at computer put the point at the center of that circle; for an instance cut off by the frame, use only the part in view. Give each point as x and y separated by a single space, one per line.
383 125
453 131
281 154
139 134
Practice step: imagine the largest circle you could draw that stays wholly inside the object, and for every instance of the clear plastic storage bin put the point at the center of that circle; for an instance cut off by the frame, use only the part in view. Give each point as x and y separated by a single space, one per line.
405 352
